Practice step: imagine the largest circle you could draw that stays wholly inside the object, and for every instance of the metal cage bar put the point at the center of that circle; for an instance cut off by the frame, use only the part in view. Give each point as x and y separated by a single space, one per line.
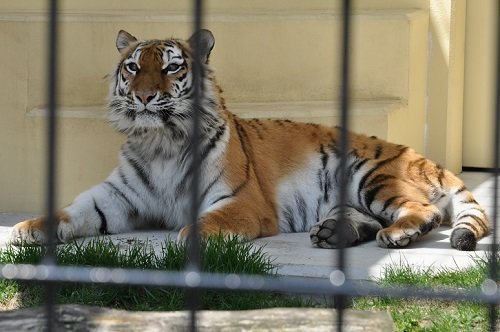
496 173
344 146
50 274
193 295
52 85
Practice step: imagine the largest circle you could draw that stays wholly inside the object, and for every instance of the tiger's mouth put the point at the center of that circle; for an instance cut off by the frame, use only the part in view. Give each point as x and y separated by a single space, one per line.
147 112
160 115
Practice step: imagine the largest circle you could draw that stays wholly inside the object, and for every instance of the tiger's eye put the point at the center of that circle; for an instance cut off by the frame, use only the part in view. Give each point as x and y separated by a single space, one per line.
171 68
132 67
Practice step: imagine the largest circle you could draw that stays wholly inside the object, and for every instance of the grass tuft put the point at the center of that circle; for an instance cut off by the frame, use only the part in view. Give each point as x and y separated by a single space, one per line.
432 315
403 273
218 253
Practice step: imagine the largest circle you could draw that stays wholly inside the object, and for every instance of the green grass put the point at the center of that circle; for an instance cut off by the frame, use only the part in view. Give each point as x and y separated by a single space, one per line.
219 254
431 315
229 255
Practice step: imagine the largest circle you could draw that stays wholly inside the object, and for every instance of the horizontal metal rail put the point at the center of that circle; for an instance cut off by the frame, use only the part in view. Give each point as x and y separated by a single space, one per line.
335 285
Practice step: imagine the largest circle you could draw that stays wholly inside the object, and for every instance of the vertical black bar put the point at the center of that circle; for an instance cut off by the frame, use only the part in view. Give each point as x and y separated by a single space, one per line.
496 173
50 257
344 145
193 294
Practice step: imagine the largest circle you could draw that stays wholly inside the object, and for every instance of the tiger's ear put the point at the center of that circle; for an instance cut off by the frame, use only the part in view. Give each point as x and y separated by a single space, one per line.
123 40
207 42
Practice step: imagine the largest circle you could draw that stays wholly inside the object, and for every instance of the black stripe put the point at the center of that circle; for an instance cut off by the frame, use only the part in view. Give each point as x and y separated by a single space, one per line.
358 164
180 190
414 163
324 156
426 227
474 228
218 199
241 135
462 188
353 167
139 170
440 174
355 164
377 166
247 149
318 207
301 207
379 178
122 176
242 140
182 77
388 202
125 182
397 208
333 211
104 222
187 91
469 201
213 141
119 192
478 220
212 183
320 181
327 186
333 147
422 172
133 211
378 151
288 215
257 128
370 195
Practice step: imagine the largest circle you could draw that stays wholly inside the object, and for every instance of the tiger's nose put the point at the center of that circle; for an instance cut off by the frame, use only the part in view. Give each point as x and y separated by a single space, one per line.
145 96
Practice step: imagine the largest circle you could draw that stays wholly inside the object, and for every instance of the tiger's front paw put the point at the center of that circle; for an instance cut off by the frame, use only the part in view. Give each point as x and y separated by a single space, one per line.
396 237
32 231
183 234
28 232
206 230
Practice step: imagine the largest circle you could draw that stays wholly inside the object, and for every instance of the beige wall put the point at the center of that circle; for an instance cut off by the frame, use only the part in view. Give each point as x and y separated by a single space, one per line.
445 82
425 79
479 96
117 5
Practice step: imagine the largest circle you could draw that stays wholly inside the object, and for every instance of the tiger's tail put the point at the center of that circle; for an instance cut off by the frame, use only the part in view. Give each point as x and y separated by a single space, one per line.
467 217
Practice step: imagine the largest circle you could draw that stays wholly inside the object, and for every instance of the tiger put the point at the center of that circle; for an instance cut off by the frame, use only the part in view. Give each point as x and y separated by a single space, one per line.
257 177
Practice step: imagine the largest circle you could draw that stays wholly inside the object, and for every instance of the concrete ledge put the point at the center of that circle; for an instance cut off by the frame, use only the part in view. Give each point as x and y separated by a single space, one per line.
367 116
83 318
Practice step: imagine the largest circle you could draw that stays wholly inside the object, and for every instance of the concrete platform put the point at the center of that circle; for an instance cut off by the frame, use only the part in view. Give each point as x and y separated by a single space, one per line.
295 256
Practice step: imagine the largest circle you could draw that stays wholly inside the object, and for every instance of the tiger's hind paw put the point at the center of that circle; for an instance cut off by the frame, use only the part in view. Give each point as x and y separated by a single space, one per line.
325 234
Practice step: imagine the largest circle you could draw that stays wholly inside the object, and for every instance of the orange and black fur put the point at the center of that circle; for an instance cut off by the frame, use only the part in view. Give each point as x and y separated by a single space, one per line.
258 177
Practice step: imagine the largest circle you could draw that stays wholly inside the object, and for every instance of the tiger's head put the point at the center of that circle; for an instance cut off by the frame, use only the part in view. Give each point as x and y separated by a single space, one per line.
152 86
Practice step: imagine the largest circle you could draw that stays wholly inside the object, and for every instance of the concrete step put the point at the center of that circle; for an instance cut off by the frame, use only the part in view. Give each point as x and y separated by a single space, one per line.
71 317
